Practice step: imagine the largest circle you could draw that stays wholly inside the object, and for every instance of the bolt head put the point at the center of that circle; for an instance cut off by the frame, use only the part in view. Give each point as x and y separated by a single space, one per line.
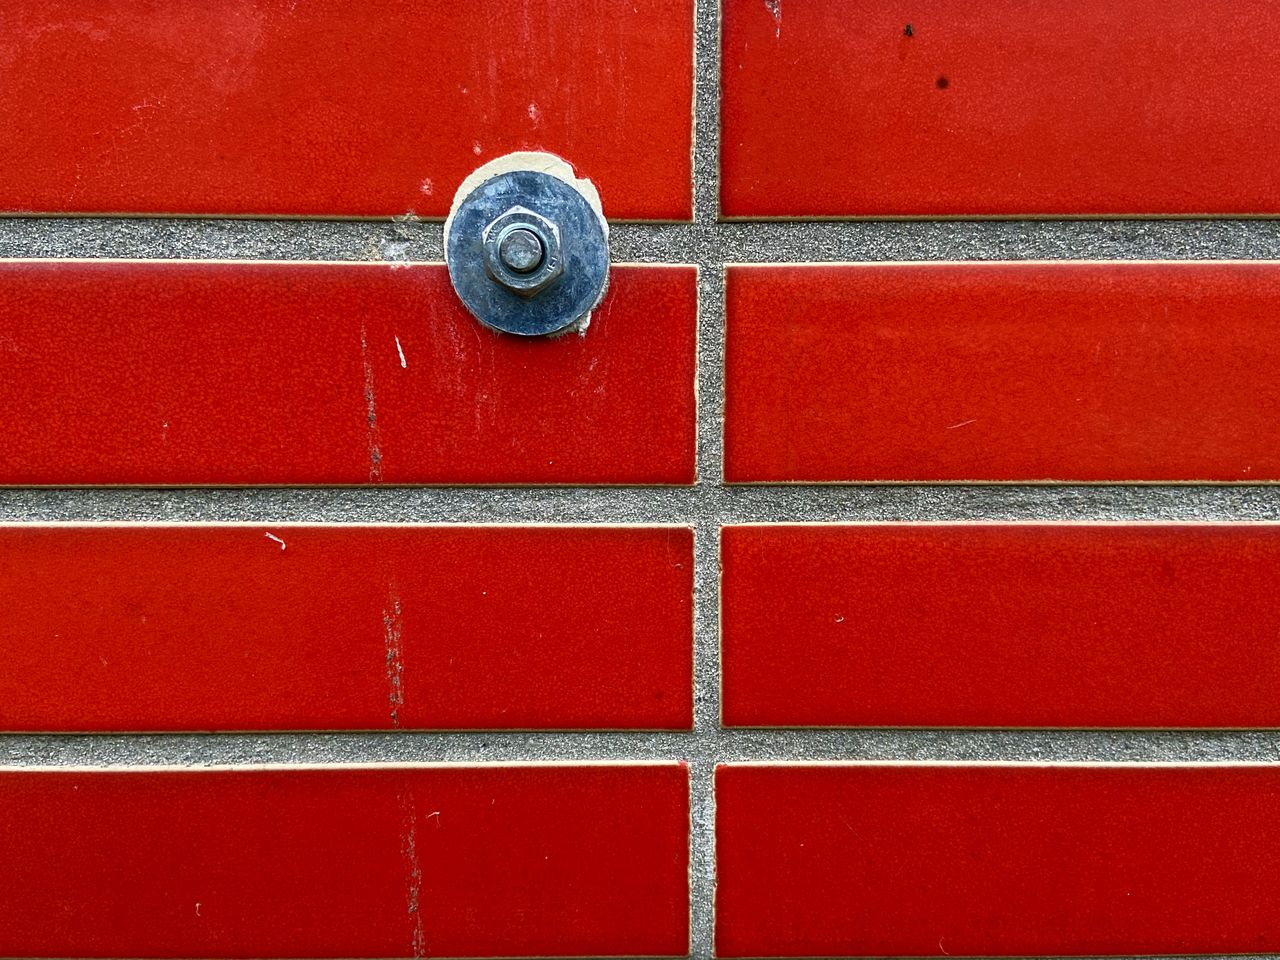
522 251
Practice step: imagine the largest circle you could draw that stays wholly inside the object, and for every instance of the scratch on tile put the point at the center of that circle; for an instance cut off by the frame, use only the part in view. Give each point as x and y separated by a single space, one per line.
672 558
371 408
272 536
484 402
775 8
400 350
962 423
392 630
413 866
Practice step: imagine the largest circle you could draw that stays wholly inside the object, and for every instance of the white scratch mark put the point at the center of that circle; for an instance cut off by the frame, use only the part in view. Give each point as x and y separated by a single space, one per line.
413 867
149 104
400 350
436 814
775 8
942 948
371 408
197 908
427 187
962 423
392 629
476 148
272 536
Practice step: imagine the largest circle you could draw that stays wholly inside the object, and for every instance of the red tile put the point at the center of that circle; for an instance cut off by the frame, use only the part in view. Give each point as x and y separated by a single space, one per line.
837 108
1003 372
996 860
383 861
337 108
133 372
283 627
1001 625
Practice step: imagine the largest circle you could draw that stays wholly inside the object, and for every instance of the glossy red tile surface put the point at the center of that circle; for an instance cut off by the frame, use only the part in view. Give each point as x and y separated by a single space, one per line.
1001 625
337 108
1003 372
132 372
382 861
283 627
996 860
835 108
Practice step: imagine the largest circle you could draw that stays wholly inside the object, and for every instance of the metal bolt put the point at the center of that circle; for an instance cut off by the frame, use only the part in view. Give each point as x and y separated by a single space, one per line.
528 246
520 249
522 252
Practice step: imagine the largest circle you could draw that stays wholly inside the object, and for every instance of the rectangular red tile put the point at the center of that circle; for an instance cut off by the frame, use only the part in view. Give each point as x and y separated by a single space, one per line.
194 373
996 860
287 627
382 861
337 108
864 108
1005 372
1001 625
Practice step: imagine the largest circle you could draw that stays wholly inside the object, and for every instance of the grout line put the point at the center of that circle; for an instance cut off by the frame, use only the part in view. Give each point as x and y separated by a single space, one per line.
704 241
706 629
706 112
702 749
711 338
699 245
707 735
708 504
702 858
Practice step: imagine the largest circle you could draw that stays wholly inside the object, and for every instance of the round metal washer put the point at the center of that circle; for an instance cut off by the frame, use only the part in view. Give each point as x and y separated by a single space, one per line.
584 250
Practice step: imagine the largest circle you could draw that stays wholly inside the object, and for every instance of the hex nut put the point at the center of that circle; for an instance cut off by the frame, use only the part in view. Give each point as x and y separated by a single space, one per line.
512 273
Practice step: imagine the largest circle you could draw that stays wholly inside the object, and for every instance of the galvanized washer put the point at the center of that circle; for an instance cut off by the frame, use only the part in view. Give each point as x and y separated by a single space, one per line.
553 296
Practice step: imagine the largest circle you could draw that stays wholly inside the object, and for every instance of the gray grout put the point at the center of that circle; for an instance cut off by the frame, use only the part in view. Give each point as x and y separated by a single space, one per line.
706 504
702 748
704 241
709 244
706 562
